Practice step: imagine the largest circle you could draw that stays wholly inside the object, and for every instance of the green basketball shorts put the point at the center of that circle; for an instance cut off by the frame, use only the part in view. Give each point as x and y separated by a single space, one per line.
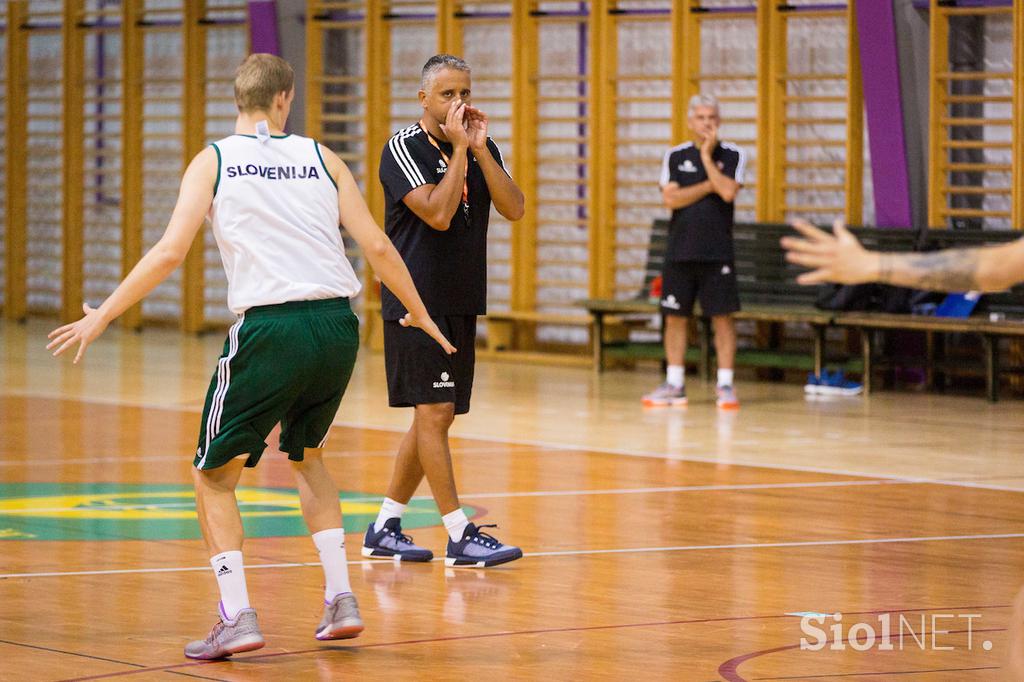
287 363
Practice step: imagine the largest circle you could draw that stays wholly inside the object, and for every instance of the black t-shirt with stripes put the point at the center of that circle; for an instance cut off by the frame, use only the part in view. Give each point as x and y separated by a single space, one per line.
701 231
449 268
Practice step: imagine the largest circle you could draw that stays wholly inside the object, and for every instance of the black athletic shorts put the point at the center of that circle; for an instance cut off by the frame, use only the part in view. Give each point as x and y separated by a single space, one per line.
421 373
714 284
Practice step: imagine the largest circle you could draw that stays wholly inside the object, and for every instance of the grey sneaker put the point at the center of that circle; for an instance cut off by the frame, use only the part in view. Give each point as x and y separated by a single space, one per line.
341 619
229 637
727 398
666 395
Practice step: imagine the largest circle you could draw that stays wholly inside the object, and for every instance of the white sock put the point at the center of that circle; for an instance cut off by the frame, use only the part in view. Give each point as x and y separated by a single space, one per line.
675 376
456 523
331 545
725 377
389 509
234 597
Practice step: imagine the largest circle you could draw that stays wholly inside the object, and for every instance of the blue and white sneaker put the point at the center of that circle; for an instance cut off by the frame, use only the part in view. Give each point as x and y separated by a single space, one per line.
479 550
813 382
391 543
836 383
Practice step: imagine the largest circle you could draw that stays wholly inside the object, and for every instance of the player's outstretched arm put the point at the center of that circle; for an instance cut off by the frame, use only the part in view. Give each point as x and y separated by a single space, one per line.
194 199
839 257
380 252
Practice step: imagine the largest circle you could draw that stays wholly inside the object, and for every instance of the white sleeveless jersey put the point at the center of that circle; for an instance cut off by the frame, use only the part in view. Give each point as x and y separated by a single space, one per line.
275 218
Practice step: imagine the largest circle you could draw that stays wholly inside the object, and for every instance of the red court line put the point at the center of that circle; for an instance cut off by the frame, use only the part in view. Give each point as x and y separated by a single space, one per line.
433 640
68 653
95 658
547 631
886 673
730 669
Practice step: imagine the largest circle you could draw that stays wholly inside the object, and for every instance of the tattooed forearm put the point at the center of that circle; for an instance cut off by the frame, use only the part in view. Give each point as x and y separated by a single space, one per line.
951 270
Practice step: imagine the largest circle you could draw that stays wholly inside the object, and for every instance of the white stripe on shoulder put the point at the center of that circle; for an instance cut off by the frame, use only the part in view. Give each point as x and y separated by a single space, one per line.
400 152
663 178
501 159
400 160
665 166
411 131
741 164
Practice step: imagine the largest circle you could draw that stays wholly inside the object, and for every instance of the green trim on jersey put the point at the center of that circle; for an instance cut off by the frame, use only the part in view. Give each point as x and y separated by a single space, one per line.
220 160
316 145
275 137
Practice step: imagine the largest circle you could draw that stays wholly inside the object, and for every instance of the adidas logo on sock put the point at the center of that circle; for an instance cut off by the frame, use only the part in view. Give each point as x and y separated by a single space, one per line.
224 570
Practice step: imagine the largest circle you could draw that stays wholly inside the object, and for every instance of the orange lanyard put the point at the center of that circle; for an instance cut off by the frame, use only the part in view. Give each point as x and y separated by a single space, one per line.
447 161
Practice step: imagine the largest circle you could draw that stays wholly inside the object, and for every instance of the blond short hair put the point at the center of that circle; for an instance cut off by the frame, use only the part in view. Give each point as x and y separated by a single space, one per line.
258 79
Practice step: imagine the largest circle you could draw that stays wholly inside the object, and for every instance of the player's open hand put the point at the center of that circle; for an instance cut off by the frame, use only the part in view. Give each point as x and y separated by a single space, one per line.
428 325
454 125
83 332
836 257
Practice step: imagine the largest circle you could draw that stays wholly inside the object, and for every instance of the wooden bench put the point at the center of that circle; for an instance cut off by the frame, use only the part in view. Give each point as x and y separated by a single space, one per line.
768 294
503 326
600 309
990 332
1006 304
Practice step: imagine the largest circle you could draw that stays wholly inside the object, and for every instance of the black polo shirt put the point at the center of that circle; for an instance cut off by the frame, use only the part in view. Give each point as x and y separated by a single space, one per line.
449 268
701 231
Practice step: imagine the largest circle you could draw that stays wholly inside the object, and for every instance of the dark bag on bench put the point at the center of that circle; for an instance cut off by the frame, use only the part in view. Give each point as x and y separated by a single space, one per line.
847 297
883 298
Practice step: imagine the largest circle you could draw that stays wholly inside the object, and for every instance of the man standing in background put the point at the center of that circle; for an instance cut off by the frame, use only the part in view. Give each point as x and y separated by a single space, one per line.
699 181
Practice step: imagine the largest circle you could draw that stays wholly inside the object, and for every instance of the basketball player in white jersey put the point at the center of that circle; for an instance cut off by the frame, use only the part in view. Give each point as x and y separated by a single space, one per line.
275 202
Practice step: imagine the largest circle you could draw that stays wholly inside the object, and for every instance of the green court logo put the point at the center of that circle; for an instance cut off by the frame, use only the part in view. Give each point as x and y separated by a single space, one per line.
111 511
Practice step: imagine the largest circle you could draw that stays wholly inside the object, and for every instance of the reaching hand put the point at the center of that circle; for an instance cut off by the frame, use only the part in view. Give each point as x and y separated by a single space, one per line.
427 325
83 332
476 128
836 257
454 125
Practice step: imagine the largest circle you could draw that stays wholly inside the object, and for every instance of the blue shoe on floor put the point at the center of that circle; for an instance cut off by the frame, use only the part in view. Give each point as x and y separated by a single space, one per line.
837 384
391 543
479 550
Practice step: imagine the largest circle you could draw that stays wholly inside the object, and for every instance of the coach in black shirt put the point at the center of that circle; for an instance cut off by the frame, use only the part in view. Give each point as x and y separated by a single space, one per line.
699 182
440 177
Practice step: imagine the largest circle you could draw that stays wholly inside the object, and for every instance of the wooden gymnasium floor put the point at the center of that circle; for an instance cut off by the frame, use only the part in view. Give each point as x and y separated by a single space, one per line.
671 544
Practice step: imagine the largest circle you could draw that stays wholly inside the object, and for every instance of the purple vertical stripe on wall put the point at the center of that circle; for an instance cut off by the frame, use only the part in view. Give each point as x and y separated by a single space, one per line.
263 26
876 31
